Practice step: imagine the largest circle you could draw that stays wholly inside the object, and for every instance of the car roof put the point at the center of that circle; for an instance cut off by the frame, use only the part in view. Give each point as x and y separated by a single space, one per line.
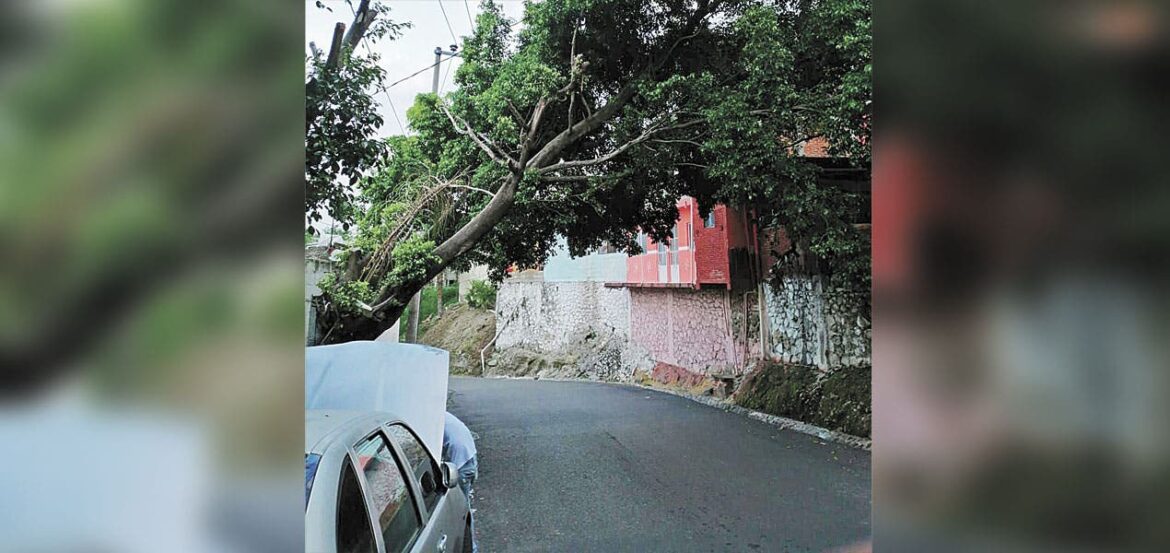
406 381
325 426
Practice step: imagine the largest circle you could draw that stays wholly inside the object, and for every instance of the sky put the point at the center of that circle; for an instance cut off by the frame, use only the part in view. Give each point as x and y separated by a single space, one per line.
412 51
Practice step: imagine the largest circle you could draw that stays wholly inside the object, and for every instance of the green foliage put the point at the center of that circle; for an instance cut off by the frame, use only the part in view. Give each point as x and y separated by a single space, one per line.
810 68
838 400
482 295
411 260
731 92
347 296
341 125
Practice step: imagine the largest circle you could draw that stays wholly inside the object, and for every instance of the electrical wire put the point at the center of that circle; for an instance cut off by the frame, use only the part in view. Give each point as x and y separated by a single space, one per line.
370 52
449 29
445 75
470 19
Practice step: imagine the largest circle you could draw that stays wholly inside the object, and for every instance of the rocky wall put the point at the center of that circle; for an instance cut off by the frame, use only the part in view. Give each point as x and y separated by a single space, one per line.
812 324
549 316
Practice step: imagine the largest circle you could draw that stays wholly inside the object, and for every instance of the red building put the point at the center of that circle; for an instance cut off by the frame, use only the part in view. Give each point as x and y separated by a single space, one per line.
715 251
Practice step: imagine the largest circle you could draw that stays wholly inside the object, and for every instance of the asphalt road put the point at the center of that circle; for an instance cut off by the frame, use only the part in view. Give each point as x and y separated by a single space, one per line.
580 466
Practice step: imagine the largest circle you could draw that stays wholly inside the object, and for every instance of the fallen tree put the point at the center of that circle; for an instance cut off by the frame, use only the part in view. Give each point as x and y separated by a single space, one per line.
590 123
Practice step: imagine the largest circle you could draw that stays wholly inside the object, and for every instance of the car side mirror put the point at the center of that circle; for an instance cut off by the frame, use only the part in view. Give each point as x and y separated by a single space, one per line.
450 475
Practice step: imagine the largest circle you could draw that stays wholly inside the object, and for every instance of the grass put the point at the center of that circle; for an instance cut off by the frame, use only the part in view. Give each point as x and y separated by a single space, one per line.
427 306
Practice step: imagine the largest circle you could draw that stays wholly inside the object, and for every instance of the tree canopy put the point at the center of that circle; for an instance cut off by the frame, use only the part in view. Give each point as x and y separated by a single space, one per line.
590 118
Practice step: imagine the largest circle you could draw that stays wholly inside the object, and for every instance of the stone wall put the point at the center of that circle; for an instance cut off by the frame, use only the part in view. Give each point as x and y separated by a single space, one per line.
317 265
811 324
586 327
698 330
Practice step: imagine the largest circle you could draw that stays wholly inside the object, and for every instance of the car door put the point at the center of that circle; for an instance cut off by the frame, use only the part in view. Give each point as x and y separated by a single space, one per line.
391 507
446 508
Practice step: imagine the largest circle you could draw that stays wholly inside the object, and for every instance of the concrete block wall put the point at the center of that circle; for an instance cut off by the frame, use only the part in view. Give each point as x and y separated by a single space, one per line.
476 272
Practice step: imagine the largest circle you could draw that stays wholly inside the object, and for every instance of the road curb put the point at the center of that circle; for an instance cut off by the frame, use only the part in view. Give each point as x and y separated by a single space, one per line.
774 420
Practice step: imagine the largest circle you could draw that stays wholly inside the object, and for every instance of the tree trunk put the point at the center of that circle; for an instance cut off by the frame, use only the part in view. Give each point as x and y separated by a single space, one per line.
439 294
412 323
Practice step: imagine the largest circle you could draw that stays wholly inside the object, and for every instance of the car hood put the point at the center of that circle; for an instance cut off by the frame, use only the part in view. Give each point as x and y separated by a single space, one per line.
407 381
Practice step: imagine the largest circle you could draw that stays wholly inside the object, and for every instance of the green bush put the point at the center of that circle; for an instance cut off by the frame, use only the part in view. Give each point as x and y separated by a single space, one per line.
427 307
482 295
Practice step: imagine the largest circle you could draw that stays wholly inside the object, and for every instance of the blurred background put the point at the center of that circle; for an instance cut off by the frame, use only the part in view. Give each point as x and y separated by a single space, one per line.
151 318
1021 218
151 235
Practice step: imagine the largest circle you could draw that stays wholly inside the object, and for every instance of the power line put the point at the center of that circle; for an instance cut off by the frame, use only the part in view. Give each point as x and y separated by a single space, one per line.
445 74
408 77
370 52
394 111
469 18
452 31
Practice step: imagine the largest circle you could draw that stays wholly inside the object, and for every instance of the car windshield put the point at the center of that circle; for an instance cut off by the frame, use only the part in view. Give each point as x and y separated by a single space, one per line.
311 460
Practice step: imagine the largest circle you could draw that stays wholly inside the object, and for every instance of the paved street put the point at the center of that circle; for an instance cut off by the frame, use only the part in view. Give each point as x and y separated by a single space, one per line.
579 466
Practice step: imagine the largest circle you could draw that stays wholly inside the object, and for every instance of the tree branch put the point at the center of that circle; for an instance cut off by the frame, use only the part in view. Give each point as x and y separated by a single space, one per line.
362 19
335 46
617 151
516 114
578 178
481 141
661 141
467 187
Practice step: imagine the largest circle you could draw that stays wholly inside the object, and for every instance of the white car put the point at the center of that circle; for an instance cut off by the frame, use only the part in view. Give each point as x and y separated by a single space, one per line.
373 436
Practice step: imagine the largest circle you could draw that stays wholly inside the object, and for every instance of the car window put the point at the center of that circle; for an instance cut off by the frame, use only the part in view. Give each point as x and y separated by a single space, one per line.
354 534
420 462
311 462
386 484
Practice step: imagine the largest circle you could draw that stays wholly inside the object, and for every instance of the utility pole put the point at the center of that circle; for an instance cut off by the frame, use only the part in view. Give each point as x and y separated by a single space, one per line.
412 324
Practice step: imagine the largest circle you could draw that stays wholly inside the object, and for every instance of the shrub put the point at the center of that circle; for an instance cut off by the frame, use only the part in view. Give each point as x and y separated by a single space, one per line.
482 295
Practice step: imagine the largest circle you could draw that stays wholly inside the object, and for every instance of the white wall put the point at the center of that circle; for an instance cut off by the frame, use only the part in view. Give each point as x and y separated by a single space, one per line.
561 267
547 316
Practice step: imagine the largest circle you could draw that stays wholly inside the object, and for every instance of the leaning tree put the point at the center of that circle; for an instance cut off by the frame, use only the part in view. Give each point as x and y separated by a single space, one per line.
341 113
591 120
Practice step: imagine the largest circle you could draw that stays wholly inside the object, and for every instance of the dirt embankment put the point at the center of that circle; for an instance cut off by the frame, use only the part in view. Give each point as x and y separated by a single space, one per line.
462 331
838 400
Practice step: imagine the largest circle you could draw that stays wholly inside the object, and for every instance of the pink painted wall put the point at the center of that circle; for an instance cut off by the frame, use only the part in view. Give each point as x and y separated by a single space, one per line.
643 269
687 328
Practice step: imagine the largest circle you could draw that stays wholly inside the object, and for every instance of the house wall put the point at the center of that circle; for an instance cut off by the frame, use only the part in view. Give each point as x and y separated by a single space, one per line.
680 266
711 265
315 270
812 324
562 267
